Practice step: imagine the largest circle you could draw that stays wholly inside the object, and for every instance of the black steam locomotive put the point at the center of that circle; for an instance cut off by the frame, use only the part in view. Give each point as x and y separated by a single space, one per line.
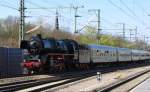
44 55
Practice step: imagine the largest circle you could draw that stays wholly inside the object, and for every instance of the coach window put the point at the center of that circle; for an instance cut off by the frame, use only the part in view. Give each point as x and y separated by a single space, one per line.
106 51
62 45
47 44
97 50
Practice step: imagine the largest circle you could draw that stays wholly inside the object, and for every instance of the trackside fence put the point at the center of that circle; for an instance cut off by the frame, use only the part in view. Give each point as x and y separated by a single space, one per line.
10 59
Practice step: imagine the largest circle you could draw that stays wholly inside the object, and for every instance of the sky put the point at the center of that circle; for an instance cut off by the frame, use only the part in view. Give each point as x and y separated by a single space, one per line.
113 12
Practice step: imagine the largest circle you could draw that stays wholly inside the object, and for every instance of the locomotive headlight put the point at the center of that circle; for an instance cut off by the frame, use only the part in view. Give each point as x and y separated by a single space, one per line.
39 60
24 60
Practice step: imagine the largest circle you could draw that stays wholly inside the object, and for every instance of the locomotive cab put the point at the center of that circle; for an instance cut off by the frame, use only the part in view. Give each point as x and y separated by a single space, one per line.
49 54
72 56
24 44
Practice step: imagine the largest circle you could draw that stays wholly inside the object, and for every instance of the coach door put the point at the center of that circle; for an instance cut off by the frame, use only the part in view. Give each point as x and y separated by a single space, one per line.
75 50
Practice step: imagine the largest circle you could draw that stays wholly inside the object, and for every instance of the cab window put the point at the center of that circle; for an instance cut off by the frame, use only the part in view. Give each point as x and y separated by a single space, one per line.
47 44
61 45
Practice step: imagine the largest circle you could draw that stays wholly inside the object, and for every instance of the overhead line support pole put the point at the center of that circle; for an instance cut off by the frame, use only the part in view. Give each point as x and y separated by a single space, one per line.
98 24
136 33
75 17
123 31
75 20
22 21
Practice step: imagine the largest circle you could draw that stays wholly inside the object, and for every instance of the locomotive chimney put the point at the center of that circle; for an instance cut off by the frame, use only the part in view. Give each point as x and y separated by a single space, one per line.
39 36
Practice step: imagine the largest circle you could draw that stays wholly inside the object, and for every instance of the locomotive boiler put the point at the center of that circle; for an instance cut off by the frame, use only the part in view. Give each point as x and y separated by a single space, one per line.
46 55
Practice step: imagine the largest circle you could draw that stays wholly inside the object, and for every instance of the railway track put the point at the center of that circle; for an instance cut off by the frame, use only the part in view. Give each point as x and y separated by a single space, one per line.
54 84
113 86
47 83
64 78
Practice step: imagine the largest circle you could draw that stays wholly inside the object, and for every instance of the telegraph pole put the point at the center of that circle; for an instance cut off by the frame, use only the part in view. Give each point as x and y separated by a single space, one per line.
98 24
22 21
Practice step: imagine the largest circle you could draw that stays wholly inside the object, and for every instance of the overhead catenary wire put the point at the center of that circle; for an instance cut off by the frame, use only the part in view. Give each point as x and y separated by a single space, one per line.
127 8
46 1
122 10
47 10
30 2
58 4
9 2
107 21
63 17
126 13
8 6
87 23
44 8
130 10
140 6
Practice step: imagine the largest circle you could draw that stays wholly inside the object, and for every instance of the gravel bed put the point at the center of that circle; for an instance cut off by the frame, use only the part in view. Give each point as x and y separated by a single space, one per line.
25 78
92 83
130 85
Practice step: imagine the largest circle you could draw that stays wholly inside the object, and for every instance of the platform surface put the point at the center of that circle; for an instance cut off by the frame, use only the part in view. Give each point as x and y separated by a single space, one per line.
143 87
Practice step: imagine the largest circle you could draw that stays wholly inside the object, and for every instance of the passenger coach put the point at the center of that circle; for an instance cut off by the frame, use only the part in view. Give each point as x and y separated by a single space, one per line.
105 54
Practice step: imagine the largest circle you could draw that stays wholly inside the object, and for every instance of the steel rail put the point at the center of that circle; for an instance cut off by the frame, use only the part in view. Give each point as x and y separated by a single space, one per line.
121 82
